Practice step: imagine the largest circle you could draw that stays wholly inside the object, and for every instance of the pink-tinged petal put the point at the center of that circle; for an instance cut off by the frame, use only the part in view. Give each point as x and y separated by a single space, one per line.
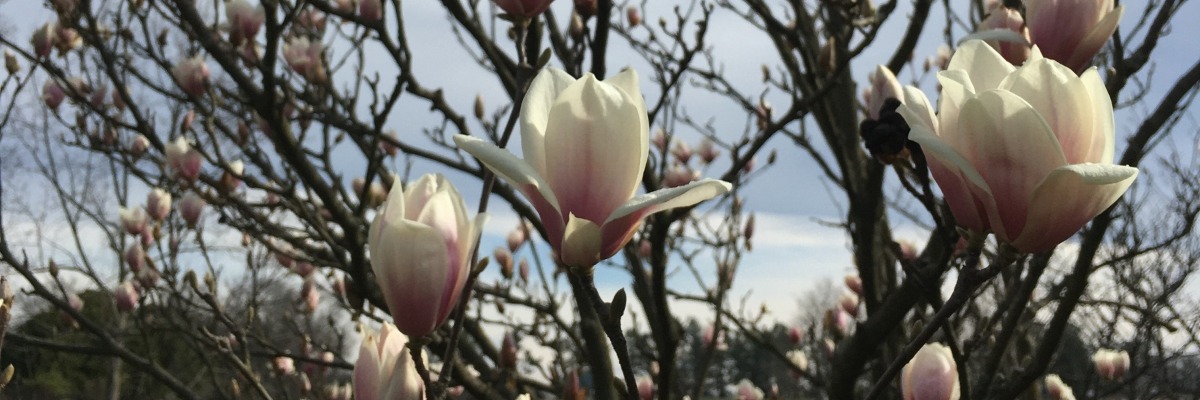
965 191
410 263
580 243
1087 48
1069 198
619 227
441 215
1063 101
521 176
982 63
596 140
535 112
1013 149
1104 135
931 375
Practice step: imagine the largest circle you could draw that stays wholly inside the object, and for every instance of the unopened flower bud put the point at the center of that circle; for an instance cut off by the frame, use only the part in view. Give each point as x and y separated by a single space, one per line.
190 208
633 16
931 375
126 296
503 257
10 62
508 352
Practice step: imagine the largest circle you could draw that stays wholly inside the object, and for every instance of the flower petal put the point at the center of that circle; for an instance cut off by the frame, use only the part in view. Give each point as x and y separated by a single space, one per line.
596 143
964 189
1087 48
619 227
535 111
580 243
1063 101
1102 114
1069 198
521 176
956 89
982 63
409 261
917 110
1013 149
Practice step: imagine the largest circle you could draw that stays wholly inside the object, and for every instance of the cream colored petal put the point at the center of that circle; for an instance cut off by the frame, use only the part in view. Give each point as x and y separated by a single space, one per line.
626 80
1069 198
518 173
1102 114
417 193
664 199
1063 101
405 383
535 112
982 63
596 144
581 243
1013 149
956 89
917 110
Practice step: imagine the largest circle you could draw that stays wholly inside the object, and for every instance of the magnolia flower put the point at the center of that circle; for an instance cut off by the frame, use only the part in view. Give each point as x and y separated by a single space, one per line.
1005 31
1025 153
707 151
523 8
10 62
190 208
133 219
516 237
43 40
931 375
747 391
284 365
795 335
126 296
854 283
1111 364
799 359
645 387
1071 31
849 303
681 151
305 58
158 203
1056 389
53 94
585 143
370 10
66 39
384 370
421 242
244 20
135 257
192 75
183 159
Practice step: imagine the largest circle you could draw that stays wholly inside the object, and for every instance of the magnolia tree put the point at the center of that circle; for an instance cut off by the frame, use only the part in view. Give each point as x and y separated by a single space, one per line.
286 199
